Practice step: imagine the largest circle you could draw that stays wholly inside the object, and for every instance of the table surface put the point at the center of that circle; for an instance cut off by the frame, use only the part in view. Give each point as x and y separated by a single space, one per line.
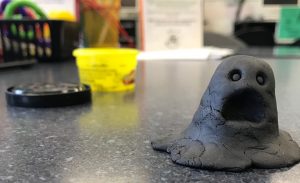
109 140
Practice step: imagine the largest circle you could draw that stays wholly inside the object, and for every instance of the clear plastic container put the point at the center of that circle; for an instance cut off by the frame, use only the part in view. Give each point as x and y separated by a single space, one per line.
99 22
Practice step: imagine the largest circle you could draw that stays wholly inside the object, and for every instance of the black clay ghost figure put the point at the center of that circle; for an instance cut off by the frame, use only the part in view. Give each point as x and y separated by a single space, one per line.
236 125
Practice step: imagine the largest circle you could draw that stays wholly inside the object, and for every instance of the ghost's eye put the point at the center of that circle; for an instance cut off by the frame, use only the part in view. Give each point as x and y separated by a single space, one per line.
260 78
235 75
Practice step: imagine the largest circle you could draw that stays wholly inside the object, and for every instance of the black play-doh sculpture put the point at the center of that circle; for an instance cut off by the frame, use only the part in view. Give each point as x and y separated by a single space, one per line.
236 124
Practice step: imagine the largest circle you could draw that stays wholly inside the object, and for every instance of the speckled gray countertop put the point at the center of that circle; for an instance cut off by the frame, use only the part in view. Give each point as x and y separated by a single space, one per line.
108 140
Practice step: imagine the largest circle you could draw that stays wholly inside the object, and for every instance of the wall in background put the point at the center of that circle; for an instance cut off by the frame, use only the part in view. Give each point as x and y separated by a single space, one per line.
222 22
219 15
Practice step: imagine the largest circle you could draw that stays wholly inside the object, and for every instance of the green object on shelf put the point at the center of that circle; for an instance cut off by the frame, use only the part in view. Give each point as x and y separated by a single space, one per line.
30 35
289 23
22 34
286 51
13 29
12 6
17 17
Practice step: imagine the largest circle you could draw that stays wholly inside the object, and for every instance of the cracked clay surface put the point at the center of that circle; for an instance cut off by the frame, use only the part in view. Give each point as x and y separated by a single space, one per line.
236 124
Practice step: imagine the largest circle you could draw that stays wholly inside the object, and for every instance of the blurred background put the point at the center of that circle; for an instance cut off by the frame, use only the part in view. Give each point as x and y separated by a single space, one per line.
56 30
220 16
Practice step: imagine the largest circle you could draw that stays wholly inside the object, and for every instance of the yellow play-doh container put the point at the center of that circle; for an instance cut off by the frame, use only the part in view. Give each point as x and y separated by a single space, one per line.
107 69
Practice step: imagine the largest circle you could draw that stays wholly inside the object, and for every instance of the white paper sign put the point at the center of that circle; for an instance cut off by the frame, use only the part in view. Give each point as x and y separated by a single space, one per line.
171 24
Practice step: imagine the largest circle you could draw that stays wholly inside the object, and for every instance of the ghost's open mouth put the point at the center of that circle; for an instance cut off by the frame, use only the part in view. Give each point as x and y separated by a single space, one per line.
244 105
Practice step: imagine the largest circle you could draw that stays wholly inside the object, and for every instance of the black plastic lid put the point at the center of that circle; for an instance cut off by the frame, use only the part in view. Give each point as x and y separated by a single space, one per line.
48 95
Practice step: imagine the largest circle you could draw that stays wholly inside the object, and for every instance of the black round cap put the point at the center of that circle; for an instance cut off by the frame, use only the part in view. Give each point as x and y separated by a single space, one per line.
48 94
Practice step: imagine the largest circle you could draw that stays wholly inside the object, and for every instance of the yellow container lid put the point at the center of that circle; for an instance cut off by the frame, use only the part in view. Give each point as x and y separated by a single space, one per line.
103 51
